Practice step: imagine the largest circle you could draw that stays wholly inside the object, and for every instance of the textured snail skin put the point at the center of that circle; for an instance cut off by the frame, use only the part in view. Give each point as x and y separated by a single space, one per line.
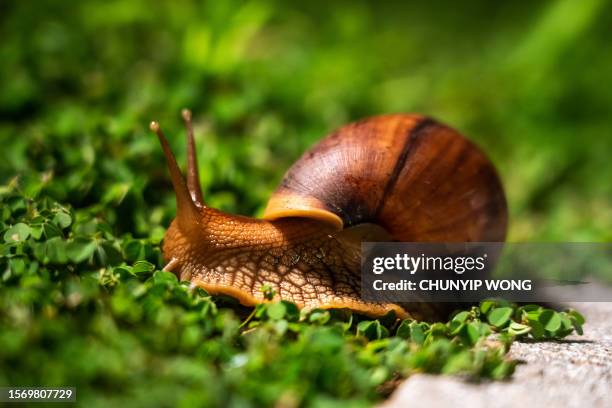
305 261
407 175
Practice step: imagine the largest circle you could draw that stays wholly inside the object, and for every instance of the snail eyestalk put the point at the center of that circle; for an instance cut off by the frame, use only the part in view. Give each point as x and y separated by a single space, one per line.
170 266
193 179
187 213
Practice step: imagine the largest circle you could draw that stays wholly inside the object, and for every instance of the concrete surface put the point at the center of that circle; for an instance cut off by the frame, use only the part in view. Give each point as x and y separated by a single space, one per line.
575 372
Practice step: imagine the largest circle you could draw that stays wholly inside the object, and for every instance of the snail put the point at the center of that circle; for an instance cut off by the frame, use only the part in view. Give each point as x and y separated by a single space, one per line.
397 177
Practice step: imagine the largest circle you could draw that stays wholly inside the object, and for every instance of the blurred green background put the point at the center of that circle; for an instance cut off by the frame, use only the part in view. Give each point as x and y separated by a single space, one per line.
79 83
80 303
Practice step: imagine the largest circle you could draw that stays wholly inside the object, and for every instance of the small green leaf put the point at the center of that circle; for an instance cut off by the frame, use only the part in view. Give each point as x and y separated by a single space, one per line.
550 320
62 219
537 329
566 322
503 370
108 254
518 329
531 308
319 316
455 327
577 316
417 334
17 233
17 266
141 267
461 317
578 328
124 271
498 317
276 311
37 231
51 230
80 250
472 333
134 250
372 329
486 305
577 320
403 329
292 312
55 249
164 276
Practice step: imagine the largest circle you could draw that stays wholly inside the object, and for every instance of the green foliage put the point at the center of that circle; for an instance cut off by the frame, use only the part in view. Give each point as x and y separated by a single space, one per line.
85 197
81 306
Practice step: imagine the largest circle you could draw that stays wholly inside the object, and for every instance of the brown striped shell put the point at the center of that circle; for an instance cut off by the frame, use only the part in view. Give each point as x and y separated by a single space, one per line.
415 177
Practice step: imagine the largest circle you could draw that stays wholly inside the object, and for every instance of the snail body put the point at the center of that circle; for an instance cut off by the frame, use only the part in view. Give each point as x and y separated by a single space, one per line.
393 177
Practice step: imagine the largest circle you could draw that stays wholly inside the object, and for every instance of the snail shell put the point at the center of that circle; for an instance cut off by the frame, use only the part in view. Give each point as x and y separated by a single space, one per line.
418 179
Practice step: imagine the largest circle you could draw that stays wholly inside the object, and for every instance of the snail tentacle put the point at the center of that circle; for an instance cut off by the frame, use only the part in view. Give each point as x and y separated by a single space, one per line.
186 211
193 178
